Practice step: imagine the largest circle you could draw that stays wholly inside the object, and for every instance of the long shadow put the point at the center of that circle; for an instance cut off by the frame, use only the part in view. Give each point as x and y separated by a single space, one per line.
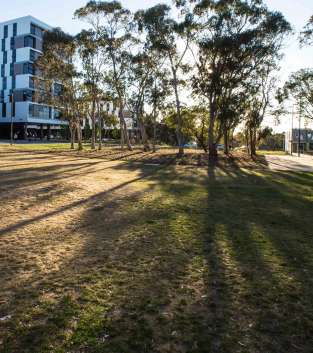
70 206
195 262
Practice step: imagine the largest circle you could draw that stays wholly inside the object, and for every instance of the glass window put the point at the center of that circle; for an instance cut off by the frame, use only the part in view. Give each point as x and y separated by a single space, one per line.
34 55
4 110
28 68
31 82
12 43
57 89
29 42
6 31
14 55
14 29
36 31
39 111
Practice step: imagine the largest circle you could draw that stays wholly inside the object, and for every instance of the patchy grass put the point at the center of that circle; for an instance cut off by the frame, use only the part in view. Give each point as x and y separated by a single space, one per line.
123 257
275 153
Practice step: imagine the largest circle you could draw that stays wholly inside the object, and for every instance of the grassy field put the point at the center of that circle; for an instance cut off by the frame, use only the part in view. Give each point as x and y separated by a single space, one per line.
115 256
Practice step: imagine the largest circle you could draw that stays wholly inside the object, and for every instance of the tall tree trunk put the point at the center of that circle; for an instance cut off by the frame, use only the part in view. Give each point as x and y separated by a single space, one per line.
154 128
93 125
100 129
144 136
79 136
226 141
122 134
178 113
211 143
72 133
252 134
124 127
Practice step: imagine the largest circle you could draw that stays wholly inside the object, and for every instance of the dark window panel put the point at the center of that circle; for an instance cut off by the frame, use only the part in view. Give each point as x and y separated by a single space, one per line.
14 29
6 31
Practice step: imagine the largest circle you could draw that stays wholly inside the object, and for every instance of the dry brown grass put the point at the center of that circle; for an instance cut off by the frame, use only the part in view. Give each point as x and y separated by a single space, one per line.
100 252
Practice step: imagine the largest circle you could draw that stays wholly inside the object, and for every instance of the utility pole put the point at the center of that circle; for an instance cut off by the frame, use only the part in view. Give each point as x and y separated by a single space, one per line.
12 112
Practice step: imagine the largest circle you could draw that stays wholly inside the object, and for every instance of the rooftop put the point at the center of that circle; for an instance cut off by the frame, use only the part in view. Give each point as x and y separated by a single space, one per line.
27 18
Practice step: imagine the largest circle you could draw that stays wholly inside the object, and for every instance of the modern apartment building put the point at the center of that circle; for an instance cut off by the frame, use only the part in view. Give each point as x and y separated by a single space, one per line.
21 42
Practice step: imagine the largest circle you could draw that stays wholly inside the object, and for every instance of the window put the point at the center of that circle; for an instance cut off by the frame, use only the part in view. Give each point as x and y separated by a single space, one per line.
39 111
29 42
14 29
36 31
57 114
4 83
3 44
28 68
14 55
4 110
12 43
6 31
31 82
57 89
5 57
34 55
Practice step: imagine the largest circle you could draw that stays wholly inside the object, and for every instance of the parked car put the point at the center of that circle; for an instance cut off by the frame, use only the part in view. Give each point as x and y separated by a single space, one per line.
190 145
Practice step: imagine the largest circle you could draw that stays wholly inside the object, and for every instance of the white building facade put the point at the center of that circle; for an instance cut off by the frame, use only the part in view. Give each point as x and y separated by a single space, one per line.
112 109
21 42
296 140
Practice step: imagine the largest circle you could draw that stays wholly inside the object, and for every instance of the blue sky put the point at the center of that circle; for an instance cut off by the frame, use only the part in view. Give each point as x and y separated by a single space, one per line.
59 13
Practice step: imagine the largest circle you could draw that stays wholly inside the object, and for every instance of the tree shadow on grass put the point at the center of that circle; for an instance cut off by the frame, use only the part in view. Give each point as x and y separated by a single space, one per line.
188 263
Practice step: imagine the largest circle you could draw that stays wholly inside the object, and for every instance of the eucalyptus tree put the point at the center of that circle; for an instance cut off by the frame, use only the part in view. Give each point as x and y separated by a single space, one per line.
170 39
258 104
157 96
140 78
61 84
113 26
233 38
88 42
306 37
300 87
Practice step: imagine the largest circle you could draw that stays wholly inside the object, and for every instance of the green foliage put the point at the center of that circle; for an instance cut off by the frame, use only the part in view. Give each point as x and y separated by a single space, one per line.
300 88
237 40
306 37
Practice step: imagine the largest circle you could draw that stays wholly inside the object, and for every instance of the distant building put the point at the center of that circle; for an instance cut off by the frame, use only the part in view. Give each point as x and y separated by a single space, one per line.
21 42
292 144
110 108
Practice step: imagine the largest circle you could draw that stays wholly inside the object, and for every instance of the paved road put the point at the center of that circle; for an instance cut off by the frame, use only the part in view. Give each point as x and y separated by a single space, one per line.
293 163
